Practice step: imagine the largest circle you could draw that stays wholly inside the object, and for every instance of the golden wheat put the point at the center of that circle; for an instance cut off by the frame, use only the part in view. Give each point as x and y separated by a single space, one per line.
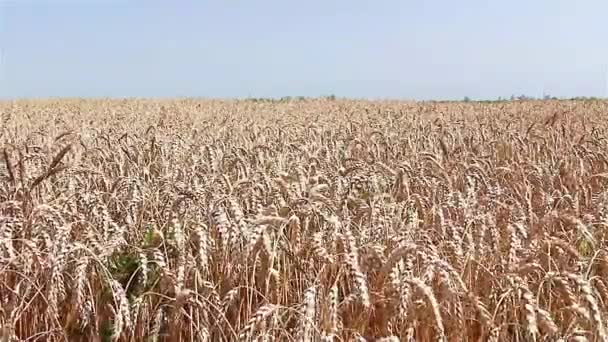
306 220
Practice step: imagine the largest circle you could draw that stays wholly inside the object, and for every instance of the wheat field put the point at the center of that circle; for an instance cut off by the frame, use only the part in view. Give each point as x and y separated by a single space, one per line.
309 220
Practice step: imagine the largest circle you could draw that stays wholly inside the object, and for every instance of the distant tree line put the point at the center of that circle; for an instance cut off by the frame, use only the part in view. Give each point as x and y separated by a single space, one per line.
331 97
521 97
545 97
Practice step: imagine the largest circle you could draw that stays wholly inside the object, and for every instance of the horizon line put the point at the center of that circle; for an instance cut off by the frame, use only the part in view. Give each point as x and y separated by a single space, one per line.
295 98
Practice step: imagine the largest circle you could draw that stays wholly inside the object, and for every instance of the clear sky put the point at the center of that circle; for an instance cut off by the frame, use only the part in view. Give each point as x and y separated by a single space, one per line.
407 49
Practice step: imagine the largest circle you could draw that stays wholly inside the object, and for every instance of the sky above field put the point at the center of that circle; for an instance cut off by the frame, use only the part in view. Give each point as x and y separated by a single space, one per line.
377 49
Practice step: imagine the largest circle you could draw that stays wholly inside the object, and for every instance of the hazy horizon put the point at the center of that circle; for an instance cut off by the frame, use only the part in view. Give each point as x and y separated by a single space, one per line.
436 50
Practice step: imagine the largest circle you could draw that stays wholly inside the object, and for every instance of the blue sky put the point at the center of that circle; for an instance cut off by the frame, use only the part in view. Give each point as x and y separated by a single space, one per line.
377 49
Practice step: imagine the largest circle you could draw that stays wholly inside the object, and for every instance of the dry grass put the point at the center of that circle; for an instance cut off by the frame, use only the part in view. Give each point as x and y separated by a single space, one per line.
309 221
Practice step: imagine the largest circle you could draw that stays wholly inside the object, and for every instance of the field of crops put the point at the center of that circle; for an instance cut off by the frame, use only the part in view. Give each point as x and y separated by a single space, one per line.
310 220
